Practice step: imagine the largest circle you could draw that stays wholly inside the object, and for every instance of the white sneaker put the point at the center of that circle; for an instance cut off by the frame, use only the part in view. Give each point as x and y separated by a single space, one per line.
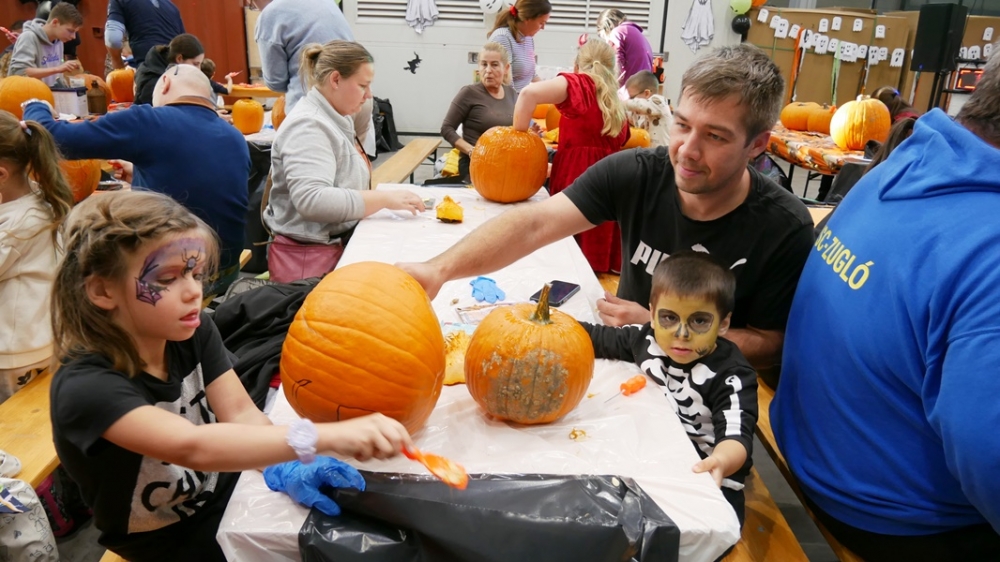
9 465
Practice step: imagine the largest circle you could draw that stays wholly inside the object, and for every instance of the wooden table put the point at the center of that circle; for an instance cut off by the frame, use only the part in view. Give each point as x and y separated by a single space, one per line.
248 92
26 430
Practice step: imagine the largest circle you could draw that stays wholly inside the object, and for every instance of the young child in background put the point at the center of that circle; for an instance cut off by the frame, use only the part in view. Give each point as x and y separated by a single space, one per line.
711 385
11 35
593 125
30 215
147 414
38 52
648 110
208 69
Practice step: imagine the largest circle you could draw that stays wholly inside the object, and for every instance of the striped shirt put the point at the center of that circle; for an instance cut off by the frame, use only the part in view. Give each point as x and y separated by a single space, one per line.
522 64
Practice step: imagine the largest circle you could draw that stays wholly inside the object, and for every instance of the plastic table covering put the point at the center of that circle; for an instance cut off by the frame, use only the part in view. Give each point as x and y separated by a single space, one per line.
814 151
637 436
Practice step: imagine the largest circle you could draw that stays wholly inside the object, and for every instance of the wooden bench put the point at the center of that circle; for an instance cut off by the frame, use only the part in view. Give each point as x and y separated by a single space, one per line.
245 256
402 164
765 394
112 557
26 430
766 535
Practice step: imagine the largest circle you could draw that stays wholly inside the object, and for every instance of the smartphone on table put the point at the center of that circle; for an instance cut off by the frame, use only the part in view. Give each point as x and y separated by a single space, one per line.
560 292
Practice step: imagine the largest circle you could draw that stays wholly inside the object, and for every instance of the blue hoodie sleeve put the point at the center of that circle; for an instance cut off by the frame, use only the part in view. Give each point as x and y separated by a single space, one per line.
108 137
962 400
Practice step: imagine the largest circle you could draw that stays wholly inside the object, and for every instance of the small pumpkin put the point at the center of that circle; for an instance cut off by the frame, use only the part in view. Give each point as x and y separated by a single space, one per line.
541 111
552 118
83 176
795 116
757 3
819 119
507 166
638 138
121 82
248 116
449 210
859 121
91 79
278 112
365 340
17 89
529 364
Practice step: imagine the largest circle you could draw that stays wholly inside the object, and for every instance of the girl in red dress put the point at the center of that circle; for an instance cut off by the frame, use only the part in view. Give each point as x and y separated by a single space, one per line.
593 125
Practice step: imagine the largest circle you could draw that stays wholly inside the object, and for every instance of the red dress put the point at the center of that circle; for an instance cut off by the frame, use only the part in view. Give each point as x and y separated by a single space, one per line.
581 144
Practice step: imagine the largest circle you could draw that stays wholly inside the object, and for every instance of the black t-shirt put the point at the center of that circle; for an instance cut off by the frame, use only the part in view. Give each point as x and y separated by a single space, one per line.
138 501
765 241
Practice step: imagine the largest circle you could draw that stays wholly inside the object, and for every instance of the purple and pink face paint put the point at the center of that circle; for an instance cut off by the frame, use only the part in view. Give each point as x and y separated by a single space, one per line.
184 254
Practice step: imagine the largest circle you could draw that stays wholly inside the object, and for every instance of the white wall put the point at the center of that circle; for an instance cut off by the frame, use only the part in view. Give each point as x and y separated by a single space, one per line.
680 55
420 100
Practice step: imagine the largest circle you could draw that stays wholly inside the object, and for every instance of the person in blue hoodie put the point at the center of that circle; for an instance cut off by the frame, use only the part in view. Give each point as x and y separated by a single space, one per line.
889 397
179 147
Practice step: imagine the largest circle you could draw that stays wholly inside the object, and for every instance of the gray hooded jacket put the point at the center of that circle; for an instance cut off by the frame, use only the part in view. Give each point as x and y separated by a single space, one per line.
34 50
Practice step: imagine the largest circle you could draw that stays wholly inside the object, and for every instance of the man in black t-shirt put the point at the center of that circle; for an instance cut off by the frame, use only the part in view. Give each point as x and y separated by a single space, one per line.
697 195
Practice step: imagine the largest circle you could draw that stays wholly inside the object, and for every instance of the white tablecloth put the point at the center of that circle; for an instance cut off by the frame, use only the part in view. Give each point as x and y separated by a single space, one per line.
637 436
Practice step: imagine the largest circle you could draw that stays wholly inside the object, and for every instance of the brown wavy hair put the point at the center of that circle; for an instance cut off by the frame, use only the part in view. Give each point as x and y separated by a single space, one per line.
526 10
317 62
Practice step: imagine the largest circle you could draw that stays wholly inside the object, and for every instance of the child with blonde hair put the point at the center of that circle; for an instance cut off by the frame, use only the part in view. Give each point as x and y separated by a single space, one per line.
30 215
148 416
593 125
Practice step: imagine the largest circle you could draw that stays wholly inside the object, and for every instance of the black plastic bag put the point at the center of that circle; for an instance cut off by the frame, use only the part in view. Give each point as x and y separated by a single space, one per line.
498 518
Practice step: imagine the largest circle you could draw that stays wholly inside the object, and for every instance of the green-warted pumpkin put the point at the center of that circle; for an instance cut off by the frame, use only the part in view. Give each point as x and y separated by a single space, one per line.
795 116
529 364
365 340
859 121
121 82
278 112
819 119
83 176
15 90
248 116
638 138
507 166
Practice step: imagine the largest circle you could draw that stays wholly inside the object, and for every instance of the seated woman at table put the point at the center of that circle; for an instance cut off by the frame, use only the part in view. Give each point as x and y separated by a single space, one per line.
711 385
593 125
321 178
478 107
183 49
898 107
148 416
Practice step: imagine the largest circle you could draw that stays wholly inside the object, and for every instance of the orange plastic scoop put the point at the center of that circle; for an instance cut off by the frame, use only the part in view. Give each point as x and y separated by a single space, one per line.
447 470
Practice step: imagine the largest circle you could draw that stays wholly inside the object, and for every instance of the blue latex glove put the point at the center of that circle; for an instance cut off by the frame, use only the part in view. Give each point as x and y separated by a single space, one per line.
485 289
302 481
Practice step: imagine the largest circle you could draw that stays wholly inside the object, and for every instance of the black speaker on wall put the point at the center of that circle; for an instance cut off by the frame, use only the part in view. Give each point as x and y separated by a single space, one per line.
939 37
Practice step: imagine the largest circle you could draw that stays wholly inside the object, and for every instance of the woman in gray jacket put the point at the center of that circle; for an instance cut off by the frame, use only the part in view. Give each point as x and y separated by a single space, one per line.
321 179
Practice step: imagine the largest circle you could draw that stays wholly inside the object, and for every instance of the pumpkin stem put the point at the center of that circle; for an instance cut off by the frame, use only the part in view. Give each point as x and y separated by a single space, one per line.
541 314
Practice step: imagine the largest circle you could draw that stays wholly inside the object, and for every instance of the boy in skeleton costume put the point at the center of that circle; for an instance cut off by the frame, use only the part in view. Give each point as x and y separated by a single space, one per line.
711 386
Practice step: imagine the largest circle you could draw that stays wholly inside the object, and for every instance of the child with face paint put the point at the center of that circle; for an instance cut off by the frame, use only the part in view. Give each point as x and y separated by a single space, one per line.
148 416
711 386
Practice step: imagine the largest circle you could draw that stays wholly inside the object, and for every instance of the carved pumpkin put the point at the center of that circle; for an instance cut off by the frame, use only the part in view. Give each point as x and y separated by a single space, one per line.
365 340
541 111
450 210
795 116
17 89
248 116
819 119
859 121
278 112
83 176
121 82
507 166
638 138
552 117
90 79
529 364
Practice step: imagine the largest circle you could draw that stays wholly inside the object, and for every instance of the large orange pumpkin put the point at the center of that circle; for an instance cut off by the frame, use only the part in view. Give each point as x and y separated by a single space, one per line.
529 364
122 84
638 138
552 118
90 79
819 119
248 116
278 112
541 110
365 340
795 116
859 121
507 166
83 176
17 89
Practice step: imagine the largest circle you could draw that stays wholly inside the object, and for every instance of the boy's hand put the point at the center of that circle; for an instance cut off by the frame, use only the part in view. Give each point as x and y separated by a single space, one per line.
729 455
232 75
70 66
713 466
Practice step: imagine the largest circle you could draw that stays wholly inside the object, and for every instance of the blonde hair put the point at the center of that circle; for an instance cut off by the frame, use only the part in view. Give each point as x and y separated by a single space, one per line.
494 47
100 234
318 62
525 10
609 19
32 151
597 60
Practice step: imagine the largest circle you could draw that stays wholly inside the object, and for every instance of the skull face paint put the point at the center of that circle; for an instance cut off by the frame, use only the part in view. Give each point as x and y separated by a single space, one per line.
686 328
